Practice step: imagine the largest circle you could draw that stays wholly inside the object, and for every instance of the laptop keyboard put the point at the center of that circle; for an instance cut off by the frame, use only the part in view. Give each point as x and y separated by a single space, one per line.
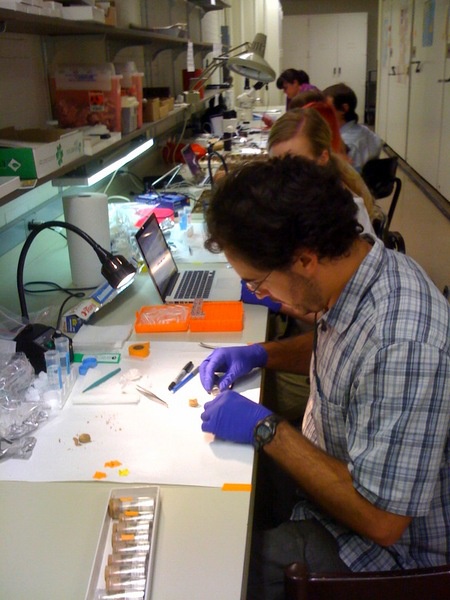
195 284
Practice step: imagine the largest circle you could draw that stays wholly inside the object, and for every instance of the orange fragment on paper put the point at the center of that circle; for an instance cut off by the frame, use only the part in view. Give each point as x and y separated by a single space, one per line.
99 475
124 472
113 463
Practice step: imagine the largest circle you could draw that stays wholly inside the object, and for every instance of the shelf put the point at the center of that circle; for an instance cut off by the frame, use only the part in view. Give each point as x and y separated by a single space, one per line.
20 22
106 156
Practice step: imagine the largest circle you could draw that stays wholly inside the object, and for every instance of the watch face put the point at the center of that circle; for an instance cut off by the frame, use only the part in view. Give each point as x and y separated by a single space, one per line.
265 431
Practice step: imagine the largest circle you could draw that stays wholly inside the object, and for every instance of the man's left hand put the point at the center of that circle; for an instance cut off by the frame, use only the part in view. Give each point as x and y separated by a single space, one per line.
233 417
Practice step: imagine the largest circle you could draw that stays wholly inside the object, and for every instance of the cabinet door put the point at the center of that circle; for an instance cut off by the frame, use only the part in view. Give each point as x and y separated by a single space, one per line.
443 177
338 51
397 115
384 62
323 48
352 55
426 91
295 39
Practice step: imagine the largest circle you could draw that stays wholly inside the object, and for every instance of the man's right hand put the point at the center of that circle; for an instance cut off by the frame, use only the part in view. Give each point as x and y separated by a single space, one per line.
233 362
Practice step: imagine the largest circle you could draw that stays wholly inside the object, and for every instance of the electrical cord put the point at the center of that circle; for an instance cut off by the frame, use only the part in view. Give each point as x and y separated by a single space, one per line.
54 287
212 153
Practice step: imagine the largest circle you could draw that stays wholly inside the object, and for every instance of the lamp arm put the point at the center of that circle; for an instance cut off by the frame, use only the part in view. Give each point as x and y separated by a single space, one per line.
101 253
217 61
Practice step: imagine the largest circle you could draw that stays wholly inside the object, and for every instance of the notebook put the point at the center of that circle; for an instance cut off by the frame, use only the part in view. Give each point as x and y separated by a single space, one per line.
171 282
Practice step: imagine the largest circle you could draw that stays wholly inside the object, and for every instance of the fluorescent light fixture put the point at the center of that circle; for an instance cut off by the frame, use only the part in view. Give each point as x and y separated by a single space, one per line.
82 179
115 166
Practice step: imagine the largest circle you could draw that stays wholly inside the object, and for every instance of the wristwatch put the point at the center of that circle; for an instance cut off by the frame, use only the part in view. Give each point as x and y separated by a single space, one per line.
265 430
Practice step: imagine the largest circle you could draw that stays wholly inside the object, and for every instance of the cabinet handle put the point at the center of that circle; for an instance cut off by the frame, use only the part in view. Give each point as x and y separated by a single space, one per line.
334 71
339 70
418 64
444 80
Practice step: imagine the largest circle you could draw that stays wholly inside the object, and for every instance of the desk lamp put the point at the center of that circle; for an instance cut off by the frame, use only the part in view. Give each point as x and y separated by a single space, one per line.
35 339
250 63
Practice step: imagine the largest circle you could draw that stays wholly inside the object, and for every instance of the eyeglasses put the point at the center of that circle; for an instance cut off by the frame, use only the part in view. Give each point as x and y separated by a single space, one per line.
254 286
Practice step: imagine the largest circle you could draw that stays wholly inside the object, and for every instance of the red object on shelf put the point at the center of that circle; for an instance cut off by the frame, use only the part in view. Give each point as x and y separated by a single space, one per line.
198 87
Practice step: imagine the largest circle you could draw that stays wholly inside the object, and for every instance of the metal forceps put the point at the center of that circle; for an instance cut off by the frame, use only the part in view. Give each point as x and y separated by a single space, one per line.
151 396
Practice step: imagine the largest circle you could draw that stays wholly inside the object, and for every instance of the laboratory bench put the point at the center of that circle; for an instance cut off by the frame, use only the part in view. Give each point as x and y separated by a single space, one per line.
50 528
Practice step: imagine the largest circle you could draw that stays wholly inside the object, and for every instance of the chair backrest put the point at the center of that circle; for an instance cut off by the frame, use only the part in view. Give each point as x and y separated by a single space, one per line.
379 176
432 583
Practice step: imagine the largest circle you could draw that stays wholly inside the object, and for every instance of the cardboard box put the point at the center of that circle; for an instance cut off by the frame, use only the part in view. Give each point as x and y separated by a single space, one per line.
34 153
151 110
84 13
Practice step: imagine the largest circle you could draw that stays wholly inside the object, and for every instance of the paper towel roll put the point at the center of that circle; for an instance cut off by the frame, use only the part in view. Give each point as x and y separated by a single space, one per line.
89 212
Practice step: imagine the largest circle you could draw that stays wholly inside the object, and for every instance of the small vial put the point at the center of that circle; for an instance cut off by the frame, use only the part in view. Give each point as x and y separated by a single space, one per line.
63 348
130 548
132 595
126 571
116 583
136 527
146 518
183 220
130 537
130 560
53 368
130 506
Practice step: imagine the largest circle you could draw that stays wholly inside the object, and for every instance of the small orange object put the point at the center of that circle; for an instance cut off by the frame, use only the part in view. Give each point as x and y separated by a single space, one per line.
142 349
99 475
113 463
237 487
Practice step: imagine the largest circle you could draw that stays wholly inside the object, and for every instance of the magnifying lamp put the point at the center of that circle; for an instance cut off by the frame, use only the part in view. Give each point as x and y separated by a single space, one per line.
249 63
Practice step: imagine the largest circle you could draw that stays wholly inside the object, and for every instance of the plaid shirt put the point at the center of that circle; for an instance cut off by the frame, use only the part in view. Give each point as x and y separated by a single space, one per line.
380 401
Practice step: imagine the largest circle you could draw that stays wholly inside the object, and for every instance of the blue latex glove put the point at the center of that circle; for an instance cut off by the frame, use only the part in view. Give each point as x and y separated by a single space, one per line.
233 362
232 417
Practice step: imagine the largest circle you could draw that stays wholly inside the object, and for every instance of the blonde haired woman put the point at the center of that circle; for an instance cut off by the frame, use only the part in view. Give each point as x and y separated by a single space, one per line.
304 132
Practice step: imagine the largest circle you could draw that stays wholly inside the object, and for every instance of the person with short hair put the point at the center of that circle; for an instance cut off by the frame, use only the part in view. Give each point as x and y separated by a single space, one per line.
372 459
362 143
292 82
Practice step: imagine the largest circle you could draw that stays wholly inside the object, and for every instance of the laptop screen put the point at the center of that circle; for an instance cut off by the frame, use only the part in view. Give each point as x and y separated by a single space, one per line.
156 253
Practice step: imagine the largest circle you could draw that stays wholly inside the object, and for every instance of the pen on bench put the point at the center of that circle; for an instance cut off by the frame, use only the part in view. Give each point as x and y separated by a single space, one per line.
191 375
184 371
102 379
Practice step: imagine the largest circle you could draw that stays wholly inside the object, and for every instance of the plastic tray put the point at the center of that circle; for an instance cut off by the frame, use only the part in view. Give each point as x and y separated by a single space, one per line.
219 316
96 586
208 316
162 317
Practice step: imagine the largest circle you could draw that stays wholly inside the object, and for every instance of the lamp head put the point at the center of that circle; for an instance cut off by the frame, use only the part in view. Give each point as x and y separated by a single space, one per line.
251 63
117 271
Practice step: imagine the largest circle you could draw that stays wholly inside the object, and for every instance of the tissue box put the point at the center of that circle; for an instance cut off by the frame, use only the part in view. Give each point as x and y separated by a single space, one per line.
79 314
34 153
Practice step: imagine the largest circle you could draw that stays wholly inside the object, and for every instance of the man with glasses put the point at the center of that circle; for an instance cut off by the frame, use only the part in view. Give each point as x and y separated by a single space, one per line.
371 461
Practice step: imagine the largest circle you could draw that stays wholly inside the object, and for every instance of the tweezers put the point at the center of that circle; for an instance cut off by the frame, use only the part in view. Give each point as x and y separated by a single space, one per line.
151 396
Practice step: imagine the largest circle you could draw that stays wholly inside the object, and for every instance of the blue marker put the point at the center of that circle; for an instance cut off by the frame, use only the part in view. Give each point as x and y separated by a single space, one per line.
191 375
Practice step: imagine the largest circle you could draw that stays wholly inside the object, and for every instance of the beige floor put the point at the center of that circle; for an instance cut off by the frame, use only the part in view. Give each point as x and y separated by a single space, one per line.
425 229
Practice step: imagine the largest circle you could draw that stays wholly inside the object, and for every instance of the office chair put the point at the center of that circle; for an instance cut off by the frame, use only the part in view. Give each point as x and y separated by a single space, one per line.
431 583
380 177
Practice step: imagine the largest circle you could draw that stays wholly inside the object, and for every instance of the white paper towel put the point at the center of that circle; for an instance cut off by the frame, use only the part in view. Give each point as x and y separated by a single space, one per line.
89 212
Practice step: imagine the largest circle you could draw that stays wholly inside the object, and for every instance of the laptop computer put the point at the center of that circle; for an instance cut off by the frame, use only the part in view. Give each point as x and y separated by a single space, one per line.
186 285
